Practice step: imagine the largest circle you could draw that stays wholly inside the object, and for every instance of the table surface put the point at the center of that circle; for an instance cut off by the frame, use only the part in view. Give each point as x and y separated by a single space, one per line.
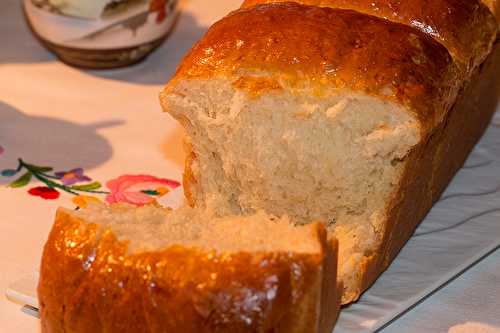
110 124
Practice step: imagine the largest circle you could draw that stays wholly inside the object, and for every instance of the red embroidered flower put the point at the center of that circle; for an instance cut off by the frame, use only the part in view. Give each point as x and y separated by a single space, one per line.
44 192
1 150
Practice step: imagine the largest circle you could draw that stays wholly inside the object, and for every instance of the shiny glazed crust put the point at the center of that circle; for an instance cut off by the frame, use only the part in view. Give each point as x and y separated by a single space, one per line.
465 27
324 50
90 283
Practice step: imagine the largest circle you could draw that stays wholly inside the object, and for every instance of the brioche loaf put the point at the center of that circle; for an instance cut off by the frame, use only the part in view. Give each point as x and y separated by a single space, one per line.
125 269
330 114
355 114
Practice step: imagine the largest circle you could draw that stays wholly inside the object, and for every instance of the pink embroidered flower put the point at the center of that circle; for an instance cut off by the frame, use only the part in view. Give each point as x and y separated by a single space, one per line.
137 189
1 150
44 192
72 177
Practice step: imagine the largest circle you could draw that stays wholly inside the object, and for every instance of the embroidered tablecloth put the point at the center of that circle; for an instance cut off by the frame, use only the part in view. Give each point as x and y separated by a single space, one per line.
81 133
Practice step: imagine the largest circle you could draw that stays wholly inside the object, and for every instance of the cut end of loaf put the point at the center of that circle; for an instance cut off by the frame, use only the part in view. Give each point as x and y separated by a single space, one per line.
153 228
125 268
336 159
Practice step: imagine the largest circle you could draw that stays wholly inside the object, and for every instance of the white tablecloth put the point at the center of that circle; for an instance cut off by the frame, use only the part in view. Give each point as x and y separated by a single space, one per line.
109 123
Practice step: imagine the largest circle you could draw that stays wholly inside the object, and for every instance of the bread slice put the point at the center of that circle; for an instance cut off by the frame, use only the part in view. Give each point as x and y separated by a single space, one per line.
327 119
148 269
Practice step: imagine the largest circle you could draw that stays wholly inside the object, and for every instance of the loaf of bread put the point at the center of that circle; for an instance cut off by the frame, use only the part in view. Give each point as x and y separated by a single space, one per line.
355 114
125 269
323 111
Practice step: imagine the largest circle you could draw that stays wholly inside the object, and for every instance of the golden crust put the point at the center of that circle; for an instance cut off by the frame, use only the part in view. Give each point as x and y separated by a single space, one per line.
332 297
90 283
321 50
466 27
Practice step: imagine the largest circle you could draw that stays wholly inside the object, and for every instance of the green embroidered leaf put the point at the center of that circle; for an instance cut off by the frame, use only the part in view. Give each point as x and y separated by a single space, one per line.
87 187
150 192
40 168
21 181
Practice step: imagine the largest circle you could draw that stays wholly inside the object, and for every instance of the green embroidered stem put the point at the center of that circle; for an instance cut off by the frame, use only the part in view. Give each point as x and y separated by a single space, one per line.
52 184
47 175
45 178
94 191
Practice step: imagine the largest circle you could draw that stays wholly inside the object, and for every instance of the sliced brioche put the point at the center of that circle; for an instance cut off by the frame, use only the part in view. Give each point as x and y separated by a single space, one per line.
314 120
126 269
324 119
313 111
